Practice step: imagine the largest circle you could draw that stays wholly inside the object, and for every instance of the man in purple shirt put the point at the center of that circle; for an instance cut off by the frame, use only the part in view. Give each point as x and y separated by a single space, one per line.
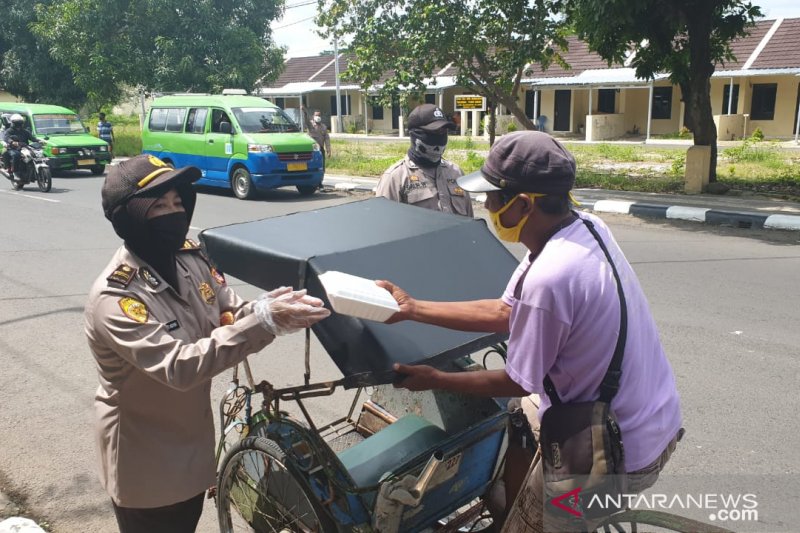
562 312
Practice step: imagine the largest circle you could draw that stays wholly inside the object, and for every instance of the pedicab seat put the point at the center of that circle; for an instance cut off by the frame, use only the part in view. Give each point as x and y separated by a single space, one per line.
391 447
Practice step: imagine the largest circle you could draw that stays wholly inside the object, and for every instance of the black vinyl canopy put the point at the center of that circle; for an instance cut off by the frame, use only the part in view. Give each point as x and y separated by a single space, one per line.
431 255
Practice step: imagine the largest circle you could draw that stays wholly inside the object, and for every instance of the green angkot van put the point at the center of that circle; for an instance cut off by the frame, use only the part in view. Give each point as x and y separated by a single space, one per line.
244 143
69 146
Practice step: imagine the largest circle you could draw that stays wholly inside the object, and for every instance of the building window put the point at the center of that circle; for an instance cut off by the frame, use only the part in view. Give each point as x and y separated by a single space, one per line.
345 100
662 103
606 100
377 112
726 91
430 98
280 102
762 106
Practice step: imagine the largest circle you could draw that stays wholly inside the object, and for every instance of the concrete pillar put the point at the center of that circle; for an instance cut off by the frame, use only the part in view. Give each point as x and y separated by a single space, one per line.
463 123
698 160
476 123
400 125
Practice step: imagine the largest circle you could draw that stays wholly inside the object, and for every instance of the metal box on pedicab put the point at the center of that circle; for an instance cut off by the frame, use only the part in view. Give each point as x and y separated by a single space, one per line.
407 459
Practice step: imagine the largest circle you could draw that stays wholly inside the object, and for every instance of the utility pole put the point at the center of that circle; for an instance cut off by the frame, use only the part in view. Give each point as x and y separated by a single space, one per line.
339 128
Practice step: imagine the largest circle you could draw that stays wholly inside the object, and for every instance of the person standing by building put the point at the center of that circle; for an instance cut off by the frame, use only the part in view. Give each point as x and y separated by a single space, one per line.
106 132
161 322
319 132
423 177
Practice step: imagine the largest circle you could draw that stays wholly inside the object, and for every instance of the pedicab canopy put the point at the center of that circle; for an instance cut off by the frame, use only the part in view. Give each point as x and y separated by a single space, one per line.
431 255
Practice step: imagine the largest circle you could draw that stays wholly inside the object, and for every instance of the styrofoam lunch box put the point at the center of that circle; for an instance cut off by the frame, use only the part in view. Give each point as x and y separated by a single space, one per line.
359 297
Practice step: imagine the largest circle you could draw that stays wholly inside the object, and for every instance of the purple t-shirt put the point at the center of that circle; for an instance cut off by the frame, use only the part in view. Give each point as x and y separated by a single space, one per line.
566 324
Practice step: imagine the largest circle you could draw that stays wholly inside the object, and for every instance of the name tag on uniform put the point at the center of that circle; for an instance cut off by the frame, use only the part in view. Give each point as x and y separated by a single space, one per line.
172 325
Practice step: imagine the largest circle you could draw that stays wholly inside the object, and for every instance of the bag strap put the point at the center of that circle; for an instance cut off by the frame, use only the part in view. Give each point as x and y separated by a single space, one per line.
610 384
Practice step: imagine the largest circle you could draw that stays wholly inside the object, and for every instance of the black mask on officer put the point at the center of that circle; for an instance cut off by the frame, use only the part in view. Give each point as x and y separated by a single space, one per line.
427 147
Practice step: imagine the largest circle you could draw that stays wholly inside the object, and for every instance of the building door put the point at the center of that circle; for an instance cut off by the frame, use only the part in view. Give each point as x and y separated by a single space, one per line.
561 119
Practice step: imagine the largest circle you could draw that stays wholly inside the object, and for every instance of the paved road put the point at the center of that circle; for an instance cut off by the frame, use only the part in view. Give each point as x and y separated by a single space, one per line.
725 301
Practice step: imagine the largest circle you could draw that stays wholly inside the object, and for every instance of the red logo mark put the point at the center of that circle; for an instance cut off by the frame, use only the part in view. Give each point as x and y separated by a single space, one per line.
573 508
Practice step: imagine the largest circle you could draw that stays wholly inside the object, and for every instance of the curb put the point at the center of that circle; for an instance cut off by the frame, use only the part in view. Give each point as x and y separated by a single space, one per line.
738 219
707 215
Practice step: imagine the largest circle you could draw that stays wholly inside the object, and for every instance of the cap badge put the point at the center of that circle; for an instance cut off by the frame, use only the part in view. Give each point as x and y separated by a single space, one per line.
207 293
134 309
438 113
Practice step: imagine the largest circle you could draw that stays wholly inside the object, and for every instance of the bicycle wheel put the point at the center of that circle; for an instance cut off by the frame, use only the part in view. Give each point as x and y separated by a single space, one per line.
258 491
629 522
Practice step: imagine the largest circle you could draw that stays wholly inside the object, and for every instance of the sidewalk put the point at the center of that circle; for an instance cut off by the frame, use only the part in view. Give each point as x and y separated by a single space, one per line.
748 212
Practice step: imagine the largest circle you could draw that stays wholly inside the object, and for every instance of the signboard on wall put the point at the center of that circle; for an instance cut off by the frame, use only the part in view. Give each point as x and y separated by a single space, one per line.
470 102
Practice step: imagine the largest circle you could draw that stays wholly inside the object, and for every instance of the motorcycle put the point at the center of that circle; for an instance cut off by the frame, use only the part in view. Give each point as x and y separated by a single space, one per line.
32 167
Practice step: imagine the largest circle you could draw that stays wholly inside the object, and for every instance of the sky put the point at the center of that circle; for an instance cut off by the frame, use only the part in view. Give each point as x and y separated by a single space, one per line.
296 30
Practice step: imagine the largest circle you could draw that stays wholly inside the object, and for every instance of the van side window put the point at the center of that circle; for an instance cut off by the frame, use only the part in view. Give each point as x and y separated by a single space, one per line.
218 116
175 118
196 121
158 119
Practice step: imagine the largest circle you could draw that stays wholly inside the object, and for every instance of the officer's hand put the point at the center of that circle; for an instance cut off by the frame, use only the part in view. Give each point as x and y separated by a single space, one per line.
407 303
285 311
417 378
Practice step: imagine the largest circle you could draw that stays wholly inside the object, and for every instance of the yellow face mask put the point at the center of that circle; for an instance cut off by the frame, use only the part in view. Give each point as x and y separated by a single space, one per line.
510 234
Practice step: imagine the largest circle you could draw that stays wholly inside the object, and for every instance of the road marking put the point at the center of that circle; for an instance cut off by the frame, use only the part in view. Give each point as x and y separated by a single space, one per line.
29 196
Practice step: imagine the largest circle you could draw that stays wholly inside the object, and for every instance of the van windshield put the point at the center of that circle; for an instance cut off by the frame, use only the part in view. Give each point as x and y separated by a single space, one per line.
263 120
58 123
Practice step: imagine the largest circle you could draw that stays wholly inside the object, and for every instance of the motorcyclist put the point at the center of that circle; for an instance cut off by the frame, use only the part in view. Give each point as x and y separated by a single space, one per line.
15 137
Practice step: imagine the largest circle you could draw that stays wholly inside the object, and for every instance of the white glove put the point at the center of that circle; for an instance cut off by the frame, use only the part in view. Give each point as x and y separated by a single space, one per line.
284 311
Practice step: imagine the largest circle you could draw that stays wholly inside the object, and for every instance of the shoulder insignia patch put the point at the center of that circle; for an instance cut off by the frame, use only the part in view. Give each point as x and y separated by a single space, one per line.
134 309
218 276
207 293
413 177
189 244
147 275
123 275
458 191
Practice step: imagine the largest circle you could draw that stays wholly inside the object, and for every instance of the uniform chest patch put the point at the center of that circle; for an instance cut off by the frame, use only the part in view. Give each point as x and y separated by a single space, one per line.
172 325
218 276
134 309
147 275
207 293
123 275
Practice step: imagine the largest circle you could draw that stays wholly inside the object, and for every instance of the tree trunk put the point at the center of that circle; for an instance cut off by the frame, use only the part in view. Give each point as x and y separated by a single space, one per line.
698 101
491 123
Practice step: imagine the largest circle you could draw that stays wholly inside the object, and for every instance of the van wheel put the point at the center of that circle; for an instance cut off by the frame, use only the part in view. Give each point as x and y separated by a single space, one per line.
306 190
97 169
242 184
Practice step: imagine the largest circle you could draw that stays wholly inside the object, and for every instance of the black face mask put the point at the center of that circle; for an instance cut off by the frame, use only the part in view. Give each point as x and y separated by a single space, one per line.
167 233
426 147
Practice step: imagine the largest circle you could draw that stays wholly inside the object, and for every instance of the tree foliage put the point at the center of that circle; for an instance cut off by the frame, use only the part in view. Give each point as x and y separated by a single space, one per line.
685 38
401 44
27 69
162 45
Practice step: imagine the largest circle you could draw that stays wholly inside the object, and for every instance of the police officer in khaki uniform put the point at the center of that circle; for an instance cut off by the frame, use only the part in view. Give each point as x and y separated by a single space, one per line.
423 178
161 322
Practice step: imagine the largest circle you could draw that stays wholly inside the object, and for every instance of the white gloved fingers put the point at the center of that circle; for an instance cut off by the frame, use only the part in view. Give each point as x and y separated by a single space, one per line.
311 300
276 293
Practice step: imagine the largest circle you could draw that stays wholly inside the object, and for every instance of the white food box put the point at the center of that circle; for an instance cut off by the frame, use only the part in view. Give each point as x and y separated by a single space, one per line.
358 297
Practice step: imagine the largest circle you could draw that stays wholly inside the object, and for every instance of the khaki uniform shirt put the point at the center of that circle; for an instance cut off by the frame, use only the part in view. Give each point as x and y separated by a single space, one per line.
319 132
156 351
433 188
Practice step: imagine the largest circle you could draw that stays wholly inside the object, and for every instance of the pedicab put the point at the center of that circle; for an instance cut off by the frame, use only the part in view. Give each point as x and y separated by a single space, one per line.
396 460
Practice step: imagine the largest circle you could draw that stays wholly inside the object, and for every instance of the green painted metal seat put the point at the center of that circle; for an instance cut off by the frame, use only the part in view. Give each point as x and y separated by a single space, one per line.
390 448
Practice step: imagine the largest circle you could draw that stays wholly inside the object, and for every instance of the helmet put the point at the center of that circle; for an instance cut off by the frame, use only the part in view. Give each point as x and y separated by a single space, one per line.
16 118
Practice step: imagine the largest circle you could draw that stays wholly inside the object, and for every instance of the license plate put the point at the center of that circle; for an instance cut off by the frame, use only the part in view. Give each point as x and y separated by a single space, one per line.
86 161
292 167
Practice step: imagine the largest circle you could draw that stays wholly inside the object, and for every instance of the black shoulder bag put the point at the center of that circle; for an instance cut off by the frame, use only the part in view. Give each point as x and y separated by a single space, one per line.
581 443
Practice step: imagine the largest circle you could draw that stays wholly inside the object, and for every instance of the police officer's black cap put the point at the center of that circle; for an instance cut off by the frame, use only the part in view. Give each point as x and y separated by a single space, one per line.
140 176
428 117
524 161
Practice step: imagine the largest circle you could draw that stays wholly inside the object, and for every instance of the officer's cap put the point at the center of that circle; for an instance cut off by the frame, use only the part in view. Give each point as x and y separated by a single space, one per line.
428 117
139 176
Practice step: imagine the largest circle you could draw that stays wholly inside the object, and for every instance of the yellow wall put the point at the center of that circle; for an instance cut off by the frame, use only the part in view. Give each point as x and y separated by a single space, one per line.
782 124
